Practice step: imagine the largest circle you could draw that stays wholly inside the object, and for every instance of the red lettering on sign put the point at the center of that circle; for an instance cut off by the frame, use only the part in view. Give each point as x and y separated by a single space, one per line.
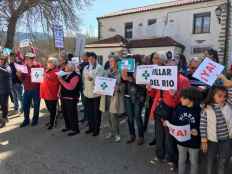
204 75
210 67
206 72
179 133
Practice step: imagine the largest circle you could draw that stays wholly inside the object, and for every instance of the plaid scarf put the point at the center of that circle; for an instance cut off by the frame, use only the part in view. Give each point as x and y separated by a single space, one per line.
221 126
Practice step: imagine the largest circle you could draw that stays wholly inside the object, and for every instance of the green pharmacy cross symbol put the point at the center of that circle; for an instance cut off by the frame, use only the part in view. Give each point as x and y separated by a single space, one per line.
104 85
146 75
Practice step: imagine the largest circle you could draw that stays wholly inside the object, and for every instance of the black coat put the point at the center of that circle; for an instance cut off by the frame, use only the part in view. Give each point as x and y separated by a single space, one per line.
5 80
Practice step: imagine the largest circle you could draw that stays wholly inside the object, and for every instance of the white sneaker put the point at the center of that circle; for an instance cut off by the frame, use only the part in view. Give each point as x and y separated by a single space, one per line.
109 136
117 139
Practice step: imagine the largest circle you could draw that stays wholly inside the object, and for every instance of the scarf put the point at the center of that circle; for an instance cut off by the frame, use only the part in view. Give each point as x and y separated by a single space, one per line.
221 126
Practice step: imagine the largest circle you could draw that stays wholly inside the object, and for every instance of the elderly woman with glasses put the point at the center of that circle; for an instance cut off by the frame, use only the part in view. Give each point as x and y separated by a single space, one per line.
5 87
49 89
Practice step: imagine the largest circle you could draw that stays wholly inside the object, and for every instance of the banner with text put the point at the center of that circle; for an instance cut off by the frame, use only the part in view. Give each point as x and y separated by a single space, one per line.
164 77
104 86
208 71
58 36
180 133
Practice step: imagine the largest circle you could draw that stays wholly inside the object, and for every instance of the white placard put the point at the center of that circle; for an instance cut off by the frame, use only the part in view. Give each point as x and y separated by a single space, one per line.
143 74
104 86
21 68
24 43
208 71
80 45
75 60
180 133
164 77
37 75
58 36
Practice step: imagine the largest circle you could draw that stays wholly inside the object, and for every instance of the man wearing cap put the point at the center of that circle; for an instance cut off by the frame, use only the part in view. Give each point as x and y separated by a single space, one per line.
31 91
5 87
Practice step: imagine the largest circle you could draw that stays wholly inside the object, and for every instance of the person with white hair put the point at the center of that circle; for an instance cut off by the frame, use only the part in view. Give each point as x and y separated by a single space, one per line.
69 94
49 88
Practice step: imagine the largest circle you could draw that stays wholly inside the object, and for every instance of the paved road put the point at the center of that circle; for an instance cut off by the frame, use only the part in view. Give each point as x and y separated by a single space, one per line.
35 150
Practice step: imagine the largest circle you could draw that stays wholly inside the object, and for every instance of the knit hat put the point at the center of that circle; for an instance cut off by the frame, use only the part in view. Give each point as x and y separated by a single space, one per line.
30 55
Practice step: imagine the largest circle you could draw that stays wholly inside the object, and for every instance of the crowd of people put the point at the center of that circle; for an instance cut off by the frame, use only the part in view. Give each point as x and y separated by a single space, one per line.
207 109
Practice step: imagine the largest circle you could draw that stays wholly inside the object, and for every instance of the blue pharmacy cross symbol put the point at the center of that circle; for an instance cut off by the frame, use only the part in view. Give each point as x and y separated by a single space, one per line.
146 75
104 85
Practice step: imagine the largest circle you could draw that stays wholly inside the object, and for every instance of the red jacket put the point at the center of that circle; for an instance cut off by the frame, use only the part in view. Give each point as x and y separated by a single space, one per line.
26 79
50 86
169 98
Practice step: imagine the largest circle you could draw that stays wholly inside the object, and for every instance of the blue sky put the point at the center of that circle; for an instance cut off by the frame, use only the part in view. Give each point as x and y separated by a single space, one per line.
102 7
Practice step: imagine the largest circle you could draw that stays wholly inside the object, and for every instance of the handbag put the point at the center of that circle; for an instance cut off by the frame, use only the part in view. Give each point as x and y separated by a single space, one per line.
163 111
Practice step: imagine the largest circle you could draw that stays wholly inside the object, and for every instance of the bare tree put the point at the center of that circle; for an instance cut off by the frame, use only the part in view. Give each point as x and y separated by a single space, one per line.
43 12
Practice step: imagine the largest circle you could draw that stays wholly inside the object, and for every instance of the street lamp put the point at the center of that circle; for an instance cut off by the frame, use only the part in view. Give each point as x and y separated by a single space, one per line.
218 12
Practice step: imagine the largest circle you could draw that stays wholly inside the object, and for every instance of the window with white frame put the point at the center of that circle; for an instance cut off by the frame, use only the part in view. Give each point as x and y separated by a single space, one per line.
201 23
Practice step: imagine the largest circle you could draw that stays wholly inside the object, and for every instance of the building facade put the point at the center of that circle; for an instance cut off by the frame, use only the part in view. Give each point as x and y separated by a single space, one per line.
188 26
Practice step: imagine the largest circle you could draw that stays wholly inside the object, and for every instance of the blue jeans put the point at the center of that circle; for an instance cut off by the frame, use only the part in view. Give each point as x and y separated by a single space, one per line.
134 111
17 93
27 98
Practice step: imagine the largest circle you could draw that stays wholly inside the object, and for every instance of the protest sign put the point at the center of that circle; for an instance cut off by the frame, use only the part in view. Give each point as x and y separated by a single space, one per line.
6 51
143 74
180 133
37 75
128 64
58 36
208 71
21 68
75 60
104 86
164 77
80 45
24 43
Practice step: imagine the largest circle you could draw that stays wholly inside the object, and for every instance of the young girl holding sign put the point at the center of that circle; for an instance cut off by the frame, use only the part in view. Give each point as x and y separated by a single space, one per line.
216 129
188 113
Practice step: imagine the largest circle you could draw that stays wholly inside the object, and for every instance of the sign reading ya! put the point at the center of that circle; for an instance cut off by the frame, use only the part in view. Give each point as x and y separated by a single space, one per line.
208 71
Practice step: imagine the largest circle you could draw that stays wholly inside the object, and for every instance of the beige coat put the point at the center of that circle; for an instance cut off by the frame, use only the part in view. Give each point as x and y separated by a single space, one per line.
116 102
211 121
